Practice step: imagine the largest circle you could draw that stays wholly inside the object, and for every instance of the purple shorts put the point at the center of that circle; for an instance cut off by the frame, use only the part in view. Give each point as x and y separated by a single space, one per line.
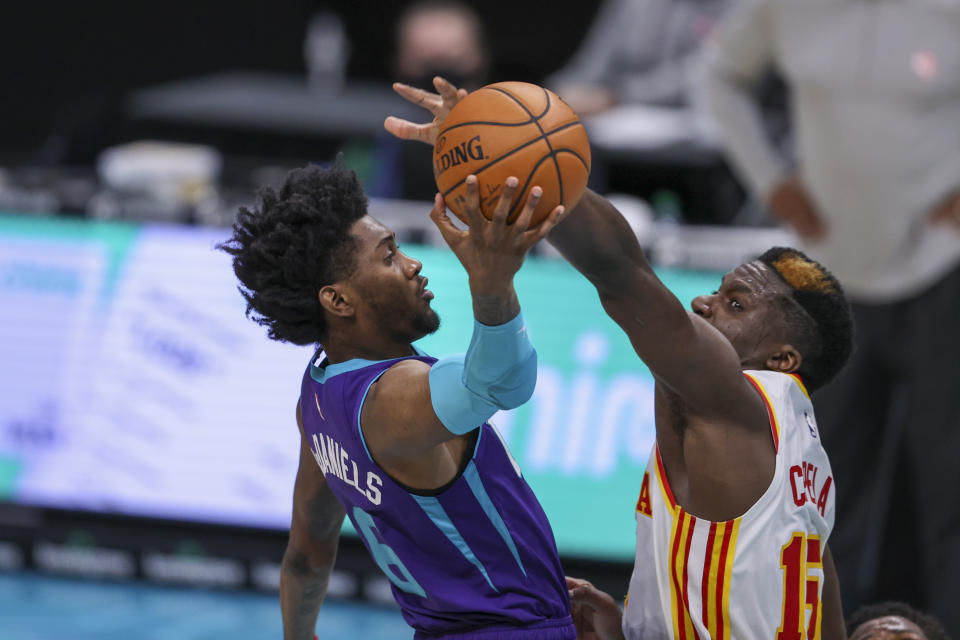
555 629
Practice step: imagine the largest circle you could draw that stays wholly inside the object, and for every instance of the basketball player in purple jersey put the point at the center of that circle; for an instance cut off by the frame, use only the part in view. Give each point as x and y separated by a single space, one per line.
392 438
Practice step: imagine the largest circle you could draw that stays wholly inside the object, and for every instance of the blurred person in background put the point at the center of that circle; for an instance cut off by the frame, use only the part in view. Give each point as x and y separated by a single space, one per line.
874 192
637 51
434 38
441 38
392 438
894 621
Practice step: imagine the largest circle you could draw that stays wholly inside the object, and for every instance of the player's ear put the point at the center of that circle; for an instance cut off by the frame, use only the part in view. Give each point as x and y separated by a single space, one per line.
336 300
786 359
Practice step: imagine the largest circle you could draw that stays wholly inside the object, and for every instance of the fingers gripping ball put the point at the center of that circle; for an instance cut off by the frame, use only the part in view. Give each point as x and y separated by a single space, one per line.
512 129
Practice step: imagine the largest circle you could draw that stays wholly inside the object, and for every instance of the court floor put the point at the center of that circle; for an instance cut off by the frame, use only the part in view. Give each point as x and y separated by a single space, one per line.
35 607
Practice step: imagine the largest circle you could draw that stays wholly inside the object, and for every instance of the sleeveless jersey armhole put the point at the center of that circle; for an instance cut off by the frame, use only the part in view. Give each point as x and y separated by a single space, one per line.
470 451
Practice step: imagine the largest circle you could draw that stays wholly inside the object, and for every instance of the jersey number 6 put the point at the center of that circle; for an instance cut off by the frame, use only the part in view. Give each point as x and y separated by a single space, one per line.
385 557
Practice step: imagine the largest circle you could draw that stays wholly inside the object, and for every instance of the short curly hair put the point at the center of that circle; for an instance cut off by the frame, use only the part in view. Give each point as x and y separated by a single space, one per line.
294 244
930 626
820 320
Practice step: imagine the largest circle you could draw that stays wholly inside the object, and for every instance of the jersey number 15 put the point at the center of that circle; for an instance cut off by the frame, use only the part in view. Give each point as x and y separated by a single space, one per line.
801 589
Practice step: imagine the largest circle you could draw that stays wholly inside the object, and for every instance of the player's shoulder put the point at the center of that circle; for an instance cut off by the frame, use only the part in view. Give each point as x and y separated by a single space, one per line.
777 381
781 390
399 380
401 371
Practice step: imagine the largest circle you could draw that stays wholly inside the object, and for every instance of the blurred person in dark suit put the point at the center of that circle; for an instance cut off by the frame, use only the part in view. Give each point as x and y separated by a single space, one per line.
637 51
433 38
875 193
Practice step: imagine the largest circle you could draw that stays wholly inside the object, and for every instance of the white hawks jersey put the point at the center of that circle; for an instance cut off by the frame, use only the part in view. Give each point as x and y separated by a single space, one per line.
756 576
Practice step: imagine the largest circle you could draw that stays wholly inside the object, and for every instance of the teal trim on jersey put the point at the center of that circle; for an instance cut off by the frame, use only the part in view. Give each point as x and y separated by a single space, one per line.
360 412
480 493
331 370
434 510
476 446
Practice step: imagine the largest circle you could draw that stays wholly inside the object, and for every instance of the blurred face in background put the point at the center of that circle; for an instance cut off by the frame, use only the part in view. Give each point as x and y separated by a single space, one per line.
444 41
888 628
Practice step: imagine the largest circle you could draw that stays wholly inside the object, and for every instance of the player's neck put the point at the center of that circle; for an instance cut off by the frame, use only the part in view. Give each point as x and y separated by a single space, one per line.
339 349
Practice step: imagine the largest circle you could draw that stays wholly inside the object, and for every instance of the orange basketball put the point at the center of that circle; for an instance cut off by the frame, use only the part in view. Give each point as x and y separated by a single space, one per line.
512 129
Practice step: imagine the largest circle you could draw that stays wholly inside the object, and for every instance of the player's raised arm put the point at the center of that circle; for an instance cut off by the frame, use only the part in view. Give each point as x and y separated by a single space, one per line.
688 355
459 393
597 241
312 549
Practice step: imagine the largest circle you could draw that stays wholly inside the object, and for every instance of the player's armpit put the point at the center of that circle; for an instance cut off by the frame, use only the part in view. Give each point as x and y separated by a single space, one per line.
833 627
316 511
312 549
397 417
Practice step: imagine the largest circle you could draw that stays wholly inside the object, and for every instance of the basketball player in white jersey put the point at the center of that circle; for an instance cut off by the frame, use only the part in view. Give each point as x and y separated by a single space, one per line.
736 504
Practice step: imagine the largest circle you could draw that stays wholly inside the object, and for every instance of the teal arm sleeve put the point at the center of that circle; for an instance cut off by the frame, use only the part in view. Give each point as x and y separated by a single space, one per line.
499 371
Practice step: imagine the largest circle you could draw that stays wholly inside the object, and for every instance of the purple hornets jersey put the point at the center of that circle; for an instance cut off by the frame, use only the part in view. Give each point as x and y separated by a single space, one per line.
478 555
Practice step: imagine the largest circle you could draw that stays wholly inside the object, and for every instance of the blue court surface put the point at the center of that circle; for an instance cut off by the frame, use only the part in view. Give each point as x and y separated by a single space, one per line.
40 607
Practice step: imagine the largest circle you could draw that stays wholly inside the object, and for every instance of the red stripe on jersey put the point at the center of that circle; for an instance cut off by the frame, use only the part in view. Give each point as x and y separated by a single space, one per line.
774 427
800 384
674 552
686 596
662 474
705 583
721 574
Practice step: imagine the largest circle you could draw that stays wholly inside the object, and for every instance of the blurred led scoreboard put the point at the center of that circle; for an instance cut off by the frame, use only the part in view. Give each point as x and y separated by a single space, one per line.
131 383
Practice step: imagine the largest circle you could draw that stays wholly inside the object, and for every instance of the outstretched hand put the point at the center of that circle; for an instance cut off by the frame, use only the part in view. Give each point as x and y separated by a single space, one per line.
439 104
492 251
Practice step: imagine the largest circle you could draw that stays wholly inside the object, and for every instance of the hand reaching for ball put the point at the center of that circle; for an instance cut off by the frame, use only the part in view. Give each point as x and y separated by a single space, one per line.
439 104
492 250
502 129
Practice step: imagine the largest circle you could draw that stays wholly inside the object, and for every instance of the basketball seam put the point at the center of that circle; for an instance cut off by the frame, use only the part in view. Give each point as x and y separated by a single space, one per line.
526 144
533 170
473 122
574 153
523 106
532 118
543 135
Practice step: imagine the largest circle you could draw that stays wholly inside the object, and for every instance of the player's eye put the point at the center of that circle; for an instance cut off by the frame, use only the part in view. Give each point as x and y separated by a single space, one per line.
736 304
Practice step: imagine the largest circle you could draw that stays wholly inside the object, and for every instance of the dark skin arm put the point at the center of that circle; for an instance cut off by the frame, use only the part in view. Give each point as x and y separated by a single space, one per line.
681 349
689 358
599 243
833 627
721 458
312 549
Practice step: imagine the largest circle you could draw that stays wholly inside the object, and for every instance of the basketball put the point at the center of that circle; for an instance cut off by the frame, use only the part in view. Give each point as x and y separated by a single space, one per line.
512 129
